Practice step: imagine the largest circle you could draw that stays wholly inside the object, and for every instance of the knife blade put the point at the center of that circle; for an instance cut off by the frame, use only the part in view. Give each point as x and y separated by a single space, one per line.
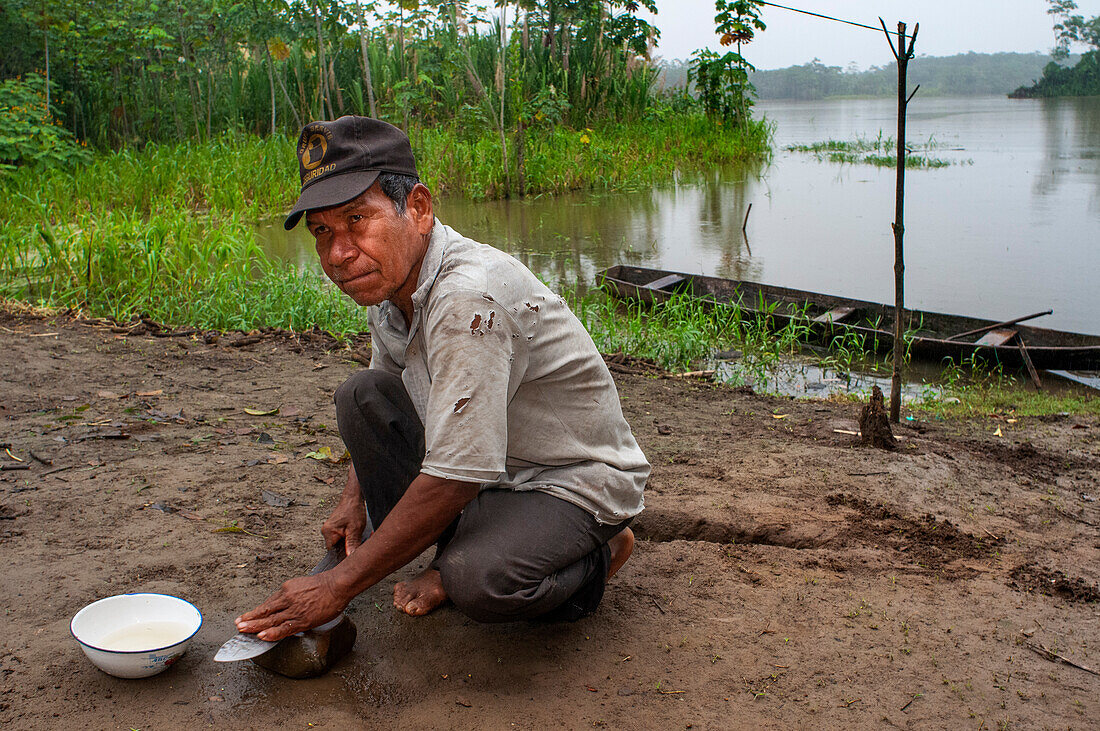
246 646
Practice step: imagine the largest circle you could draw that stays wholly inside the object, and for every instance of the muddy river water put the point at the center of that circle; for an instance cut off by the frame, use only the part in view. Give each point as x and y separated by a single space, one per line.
1012 228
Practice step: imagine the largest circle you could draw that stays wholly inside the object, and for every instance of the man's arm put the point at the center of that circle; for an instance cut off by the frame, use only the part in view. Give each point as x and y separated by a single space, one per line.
416 521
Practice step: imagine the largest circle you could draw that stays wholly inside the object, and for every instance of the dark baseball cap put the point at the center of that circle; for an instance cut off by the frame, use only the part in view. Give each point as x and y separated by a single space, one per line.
339 160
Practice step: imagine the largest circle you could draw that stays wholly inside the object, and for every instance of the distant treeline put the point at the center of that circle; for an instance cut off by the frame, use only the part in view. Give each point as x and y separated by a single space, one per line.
965 74
1080 80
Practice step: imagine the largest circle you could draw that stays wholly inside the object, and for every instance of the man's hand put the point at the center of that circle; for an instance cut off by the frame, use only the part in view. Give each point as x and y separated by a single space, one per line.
348 519
302 603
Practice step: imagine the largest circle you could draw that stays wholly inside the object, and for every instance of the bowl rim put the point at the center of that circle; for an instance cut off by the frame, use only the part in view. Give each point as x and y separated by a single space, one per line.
135 652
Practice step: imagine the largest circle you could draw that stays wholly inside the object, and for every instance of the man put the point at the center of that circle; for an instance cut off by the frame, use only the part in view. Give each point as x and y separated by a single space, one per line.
487 422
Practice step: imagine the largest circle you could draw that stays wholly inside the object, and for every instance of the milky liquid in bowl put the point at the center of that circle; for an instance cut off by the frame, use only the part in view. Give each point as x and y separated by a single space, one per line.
145 636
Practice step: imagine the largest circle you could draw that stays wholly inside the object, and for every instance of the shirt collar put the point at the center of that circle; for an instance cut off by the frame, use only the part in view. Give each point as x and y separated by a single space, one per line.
430 266
429 270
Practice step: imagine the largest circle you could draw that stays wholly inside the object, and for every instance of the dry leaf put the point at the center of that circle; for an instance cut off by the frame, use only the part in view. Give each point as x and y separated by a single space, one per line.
780 416
262 412
324 454
998 432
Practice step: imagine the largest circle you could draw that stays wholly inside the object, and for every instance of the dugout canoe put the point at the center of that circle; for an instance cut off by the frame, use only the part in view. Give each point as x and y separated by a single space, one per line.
825 317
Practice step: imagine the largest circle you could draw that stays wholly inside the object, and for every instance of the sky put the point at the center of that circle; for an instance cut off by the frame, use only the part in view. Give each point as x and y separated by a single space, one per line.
946 27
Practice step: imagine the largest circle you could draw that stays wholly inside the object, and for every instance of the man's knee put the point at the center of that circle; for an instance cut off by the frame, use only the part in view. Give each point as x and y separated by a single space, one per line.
484 590
363 388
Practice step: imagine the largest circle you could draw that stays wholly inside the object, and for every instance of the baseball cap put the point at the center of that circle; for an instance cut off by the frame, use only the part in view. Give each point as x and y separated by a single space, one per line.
339 160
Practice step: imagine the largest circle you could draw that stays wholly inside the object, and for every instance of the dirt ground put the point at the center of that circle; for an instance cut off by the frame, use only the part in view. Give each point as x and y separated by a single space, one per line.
784 577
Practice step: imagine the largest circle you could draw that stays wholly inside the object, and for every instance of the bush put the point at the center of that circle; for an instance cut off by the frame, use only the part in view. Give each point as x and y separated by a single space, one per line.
29 135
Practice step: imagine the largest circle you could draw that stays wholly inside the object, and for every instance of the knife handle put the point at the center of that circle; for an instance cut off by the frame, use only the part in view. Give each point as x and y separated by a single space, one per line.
336 554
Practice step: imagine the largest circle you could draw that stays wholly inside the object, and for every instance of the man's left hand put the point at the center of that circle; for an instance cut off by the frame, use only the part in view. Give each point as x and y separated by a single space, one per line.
302 603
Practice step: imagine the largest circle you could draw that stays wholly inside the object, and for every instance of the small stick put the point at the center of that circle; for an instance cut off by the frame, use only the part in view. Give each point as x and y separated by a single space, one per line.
918 695
657 604
1052 655
746 223
13 467
57 469
991 534
692 374
12 455
867 474
36 458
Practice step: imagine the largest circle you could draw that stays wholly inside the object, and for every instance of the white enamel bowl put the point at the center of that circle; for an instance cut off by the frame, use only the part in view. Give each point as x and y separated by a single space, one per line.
98 626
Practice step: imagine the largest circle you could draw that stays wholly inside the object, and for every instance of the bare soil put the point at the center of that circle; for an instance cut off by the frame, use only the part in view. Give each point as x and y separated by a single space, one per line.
784 575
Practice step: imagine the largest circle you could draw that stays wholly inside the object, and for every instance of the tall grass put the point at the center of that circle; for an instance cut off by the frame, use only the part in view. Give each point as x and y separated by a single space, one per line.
168 230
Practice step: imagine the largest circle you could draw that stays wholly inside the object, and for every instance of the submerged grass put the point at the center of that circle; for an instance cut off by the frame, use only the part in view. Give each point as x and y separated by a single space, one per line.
879 151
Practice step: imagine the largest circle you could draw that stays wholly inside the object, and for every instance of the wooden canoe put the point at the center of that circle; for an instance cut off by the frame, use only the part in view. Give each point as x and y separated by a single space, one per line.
827 316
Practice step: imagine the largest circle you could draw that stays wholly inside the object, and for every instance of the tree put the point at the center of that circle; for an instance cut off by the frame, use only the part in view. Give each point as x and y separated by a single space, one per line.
722 81
1071 28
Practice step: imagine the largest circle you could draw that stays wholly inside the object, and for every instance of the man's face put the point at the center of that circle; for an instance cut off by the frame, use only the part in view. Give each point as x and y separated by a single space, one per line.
368 249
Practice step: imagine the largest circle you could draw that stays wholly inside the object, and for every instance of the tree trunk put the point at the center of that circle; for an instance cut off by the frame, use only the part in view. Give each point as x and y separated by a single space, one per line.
366 59
903 55
322 81
46 33
271 84
282 85
503 93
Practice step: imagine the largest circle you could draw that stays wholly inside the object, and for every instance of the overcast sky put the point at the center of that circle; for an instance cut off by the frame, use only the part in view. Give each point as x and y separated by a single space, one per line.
946 27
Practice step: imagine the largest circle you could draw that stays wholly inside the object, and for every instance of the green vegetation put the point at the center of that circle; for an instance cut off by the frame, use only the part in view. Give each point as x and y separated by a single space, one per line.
973 389
1083 79
879 151
1080 80
168 231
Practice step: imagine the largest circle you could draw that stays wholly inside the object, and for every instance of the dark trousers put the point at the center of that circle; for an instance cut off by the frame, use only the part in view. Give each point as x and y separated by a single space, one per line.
511 554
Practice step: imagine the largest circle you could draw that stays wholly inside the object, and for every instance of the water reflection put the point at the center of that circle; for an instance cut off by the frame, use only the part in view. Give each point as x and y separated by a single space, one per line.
1071 141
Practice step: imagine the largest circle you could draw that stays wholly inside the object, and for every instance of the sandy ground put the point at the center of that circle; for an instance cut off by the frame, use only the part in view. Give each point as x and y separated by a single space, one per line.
784 576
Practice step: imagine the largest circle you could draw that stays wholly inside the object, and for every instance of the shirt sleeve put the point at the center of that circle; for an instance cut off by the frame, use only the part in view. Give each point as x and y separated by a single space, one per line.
475 354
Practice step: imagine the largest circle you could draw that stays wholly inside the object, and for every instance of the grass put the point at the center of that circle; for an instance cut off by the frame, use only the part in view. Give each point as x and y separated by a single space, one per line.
878 151
167 231
684 334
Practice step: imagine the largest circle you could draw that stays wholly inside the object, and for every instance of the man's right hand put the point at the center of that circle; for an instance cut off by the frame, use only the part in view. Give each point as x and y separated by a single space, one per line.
348 519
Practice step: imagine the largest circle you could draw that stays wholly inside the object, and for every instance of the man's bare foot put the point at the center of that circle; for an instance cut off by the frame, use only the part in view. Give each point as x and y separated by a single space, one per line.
421 595
621 545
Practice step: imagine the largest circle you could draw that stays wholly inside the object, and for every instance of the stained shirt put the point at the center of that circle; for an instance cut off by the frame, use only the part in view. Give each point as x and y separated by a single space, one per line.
507 382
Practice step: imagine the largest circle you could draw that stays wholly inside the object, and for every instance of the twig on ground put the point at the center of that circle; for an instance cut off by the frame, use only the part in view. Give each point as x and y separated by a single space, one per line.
42 460
657 604
918 695
57 469
11 467
1052 656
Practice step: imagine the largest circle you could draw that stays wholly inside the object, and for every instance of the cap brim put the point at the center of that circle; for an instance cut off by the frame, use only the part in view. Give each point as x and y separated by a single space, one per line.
331 191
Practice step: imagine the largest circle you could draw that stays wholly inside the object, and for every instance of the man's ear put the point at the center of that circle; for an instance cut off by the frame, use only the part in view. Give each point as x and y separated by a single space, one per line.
419 206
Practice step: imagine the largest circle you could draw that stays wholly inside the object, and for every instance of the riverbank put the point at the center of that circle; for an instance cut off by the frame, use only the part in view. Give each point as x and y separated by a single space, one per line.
169 231
783 576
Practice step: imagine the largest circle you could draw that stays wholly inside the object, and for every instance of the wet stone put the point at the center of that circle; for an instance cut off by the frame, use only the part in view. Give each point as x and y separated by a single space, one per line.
310 654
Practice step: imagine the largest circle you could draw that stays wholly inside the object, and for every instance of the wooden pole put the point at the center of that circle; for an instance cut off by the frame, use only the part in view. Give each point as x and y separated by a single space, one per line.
903 54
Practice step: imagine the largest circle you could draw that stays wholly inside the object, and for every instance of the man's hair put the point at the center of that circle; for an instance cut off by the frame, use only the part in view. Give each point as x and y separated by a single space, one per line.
397 188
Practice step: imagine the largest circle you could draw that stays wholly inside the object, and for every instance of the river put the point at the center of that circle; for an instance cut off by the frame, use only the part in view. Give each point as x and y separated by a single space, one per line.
1013 227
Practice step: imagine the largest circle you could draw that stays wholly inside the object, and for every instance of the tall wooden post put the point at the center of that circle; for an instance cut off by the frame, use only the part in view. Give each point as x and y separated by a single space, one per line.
903 54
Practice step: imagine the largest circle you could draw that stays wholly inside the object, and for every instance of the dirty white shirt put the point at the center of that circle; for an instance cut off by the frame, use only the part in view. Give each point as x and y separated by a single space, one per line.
508 384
